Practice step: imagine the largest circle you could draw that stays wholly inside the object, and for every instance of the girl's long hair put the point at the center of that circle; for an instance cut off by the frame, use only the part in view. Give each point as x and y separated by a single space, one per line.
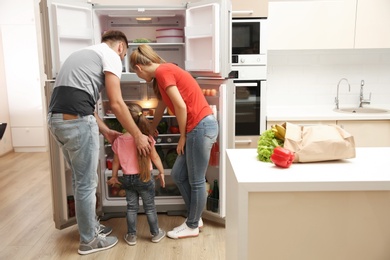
145 55
144 126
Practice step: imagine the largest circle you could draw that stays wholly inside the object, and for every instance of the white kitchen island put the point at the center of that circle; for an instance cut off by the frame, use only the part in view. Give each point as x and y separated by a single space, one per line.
338 210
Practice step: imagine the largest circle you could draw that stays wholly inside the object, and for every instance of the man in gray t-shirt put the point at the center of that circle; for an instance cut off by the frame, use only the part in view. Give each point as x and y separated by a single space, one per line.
75 125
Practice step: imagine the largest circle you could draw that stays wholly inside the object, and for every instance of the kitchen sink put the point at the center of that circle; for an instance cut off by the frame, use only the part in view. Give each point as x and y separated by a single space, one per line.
365 110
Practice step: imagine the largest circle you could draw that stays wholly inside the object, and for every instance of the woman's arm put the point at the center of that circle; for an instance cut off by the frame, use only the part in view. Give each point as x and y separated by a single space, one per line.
181 115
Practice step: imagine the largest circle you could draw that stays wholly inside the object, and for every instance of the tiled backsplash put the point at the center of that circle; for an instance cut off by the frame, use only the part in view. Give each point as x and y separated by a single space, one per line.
307 78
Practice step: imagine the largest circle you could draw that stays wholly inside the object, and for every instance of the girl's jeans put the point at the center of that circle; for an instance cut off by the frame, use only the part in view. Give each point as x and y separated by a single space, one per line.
189 170
79 142
134 188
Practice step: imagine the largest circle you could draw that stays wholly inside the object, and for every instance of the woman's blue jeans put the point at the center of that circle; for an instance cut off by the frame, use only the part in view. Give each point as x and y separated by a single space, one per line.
134 189
189 170
79 142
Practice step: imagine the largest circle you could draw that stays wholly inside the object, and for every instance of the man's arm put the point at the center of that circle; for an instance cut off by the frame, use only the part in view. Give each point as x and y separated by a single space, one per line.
122 113
108 133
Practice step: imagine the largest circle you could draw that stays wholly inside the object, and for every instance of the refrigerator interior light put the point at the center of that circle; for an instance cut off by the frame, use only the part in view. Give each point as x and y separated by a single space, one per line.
142 15
143 19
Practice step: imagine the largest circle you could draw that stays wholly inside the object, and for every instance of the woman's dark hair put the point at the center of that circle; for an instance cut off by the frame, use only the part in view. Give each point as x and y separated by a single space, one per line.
145 55
113 35
144 126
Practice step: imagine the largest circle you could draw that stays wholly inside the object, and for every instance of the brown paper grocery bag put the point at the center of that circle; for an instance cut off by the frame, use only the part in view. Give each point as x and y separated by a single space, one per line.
319 142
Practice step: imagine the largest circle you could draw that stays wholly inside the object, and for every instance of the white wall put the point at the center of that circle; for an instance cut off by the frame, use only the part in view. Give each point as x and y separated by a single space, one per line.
5 142
309 78
20 84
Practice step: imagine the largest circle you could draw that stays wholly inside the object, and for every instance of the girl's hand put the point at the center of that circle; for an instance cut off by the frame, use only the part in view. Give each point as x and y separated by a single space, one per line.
113 180
162 179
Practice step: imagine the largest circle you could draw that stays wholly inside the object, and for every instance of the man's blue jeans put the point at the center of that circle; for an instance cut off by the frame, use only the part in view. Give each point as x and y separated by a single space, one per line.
79 142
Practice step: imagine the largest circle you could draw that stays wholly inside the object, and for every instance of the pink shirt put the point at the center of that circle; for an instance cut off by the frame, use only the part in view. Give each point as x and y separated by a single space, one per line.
124 146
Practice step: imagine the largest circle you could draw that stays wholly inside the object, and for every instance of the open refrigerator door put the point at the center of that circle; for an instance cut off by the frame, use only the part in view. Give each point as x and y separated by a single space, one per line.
66 27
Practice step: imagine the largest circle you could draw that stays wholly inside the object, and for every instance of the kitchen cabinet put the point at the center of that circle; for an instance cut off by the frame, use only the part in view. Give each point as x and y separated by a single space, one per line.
368 133
249 8
340 209
311 24
23 89
244 142
322 24
309 122
372 24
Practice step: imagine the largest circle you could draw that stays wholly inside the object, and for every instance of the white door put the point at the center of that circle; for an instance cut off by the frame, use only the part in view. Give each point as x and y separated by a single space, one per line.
207 38
66 27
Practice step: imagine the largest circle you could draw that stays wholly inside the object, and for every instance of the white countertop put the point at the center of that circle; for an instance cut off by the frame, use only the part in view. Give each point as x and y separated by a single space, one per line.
308 113
368 171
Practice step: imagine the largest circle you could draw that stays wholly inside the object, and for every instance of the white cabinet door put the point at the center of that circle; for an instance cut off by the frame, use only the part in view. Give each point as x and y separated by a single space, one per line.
311 24
369 133
250 8
372 24
22 80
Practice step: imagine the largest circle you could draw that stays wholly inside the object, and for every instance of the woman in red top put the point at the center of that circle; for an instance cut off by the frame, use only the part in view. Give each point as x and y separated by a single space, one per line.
176 89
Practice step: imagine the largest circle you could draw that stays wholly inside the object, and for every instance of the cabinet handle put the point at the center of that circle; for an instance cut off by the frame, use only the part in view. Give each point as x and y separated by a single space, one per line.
243 12
243 141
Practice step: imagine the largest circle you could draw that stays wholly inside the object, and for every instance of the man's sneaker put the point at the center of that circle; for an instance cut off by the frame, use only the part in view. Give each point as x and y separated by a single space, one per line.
200 224
99 243
183 231
157 238
131 239
104 230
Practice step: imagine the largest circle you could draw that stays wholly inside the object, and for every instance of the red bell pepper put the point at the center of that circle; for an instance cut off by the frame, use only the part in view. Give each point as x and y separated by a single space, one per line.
282 157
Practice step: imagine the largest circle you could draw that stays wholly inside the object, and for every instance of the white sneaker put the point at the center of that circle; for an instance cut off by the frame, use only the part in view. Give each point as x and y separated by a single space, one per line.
183 231
200 224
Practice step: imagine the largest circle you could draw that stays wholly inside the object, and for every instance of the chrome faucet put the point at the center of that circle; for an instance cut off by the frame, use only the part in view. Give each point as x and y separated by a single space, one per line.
362 100
336 100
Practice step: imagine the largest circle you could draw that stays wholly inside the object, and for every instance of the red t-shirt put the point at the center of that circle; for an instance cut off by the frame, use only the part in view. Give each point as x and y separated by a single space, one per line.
169 74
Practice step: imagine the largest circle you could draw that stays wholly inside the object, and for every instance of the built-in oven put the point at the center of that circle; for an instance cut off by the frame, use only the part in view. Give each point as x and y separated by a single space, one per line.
249 119
249 42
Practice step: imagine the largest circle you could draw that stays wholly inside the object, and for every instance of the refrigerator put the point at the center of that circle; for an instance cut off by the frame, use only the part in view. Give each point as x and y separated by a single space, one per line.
204 50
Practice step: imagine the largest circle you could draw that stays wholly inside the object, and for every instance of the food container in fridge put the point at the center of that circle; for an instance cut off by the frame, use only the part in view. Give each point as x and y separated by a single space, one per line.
169 32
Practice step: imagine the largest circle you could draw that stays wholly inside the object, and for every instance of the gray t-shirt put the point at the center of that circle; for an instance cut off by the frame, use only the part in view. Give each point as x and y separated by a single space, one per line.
81 78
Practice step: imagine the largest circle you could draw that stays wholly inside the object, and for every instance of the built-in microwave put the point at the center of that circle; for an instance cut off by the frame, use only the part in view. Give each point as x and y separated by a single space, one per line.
249 41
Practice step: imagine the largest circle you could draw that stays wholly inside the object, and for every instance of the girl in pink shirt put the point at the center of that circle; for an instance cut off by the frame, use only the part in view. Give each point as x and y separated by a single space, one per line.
137 177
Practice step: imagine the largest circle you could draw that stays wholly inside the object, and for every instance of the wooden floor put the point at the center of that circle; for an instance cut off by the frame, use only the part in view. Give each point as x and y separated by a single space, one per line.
27 228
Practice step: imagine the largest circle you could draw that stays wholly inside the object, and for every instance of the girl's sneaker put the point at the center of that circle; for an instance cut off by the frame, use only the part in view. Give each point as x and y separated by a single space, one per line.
131 239
160 235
